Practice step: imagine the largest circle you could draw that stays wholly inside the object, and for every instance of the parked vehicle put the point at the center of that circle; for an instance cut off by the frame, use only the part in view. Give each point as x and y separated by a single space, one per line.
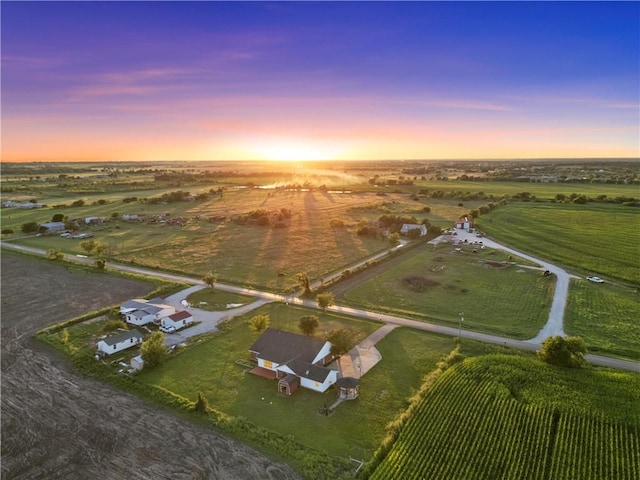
169 329
595 279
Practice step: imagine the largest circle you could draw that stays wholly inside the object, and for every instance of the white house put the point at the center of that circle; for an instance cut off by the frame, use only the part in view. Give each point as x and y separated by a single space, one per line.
464 223
283 354
119 341
140 311
178 320
92 220
407 227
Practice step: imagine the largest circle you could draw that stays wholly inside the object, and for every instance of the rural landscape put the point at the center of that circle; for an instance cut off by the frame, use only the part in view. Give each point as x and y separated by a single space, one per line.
352 240
479 319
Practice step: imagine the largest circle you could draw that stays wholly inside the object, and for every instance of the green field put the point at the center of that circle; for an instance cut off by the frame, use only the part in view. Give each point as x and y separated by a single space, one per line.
355 429
503 417
547 190
606 317
507 300
600 239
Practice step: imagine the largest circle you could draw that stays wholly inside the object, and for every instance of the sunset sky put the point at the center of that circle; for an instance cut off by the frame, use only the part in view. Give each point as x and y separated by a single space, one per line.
100 81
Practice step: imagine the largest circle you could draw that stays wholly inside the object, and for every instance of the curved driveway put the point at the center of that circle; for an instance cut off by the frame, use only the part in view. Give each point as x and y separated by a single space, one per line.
211 319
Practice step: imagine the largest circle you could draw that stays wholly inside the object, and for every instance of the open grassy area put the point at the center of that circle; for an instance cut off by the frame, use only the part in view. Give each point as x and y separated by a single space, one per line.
354 429
495 297
501 416
601 239
216 300
606 317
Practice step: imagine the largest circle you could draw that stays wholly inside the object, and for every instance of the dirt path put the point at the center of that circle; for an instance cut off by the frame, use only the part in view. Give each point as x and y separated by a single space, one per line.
58 425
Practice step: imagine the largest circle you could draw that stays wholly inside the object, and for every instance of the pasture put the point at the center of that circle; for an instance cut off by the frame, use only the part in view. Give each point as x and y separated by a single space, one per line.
248 254
599 239
440 282
606 317
504 417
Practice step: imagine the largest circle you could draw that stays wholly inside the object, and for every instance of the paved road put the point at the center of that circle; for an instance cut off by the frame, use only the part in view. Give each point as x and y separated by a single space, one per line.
266 297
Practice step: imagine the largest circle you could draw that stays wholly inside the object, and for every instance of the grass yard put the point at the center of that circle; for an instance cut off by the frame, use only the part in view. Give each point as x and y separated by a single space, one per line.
602 239
509 300
606 316
354 429
217 300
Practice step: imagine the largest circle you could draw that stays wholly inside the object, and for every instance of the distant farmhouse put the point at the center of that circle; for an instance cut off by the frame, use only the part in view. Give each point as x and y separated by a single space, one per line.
51 227
295 360
464 223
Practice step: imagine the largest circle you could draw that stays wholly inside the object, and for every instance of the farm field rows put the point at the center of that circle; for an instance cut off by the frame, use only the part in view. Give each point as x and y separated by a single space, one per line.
600 238
502 417
440 282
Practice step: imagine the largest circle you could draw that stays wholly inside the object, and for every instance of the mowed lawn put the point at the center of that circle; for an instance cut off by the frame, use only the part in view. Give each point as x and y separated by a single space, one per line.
600 239
606 316
511 300
355 429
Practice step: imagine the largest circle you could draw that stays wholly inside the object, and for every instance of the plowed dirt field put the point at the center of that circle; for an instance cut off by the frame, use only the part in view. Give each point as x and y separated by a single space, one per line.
58 425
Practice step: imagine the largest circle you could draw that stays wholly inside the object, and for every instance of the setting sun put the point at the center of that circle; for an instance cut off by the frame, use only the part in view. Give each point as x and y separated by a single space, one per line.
298 151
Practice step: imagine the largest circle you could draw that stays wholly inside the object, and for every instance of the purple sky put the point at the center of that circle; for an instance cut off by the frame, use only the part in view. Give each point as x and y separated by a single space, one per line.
305 80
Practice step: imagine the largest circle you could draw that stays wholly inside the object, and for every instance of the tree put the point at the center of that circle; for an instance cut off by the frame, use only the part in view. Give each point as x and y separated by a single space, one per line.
88 245
101 249
259 323
55 254
153 350
57 217
394 239
201 404
29 227
303 280
100 263
341 340
308 324
563 351
325 300
210 279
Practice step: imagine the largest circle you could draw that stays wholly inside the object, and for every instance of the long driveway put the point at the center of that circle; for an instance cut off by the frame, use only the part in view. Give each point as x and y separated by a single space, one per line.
554 325
265 297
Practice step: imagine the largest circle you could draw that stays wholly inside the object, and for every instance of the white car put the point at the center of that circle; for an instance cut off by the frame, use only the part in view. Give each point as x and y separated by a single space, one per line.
595 279
169 329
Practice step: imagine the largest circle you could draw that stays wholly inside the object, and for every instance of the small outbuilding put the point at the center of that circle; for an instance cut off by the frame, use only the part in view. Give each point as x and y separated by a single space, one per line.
288 384
137 363
348 388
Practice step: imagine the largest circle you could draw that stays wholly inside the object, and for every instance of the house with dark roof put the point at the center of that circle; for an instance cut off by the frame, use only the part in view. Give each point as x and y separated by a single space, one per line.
285 355
119 341
178 320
